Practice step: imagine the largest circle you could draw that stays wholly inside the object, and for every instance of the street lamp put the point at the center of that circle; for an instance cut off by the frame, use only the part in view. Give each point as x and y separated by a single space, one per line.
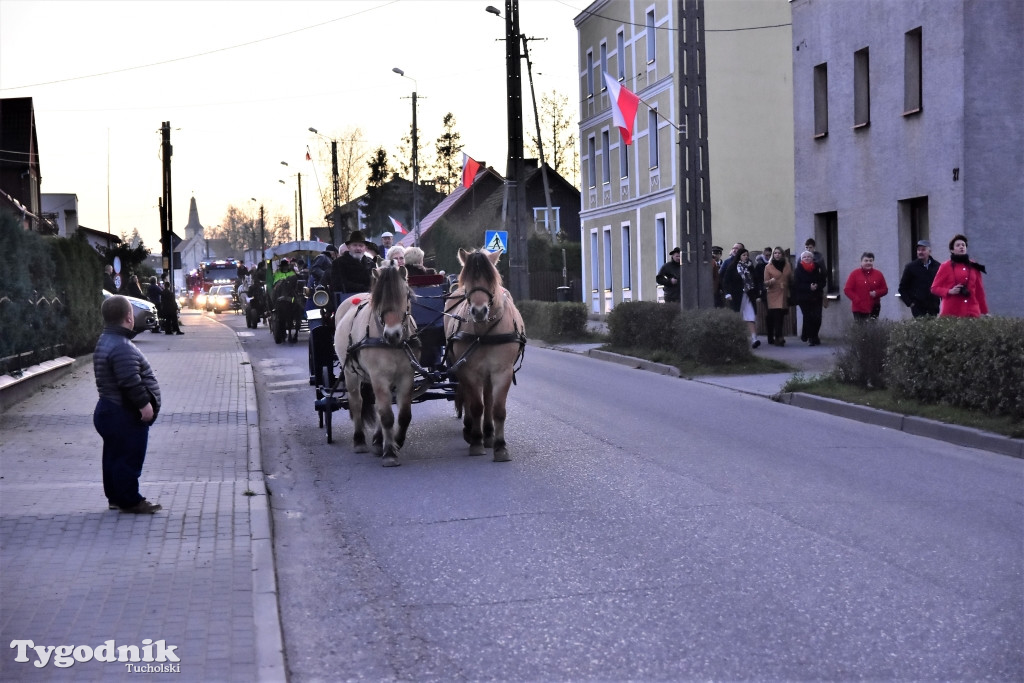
515 190
340 234
415 160
302 230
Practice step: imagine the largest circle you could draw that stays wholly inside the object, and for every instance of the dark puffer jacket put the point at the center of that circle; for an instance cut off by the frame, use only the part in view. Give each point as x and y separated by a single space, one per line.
123 375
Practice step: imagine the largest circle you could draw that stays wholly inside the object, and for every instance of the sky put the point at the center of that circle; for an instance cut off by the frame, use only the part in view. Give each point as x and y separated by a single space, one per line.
241 82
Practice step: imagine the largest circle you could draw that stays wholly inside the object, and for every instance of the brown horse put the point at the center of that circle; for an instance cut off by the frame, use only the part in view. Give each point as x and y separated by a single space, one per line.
486 338
373 338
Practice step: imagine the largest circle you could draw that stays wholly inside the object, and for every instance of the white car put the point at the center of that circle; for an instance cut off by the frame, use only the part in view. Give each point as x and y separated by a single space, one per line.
146 316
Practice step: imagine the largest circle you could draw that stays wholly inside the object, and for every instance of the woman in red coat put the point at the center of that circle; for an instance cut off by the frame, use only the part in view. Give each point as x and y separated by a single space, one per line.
865 288
958 283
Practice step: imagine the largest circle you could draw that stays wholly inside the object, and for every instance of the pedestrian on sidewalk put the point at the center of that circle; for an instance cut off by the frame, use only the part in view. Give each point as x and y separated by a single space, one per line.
958 283
743 290
809 294
865 288
169 310
129 401
916 283
670 276
777 275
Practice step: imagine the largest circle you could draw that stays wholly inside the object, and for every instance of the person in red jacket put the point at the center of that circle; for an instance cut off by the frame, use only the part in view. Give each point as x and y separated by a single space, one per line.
958 283
865 288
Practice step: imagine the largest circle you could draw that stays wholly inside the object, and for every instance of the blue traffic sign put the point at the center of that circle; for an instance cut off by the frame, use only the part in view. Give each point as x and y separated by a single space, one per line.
495 240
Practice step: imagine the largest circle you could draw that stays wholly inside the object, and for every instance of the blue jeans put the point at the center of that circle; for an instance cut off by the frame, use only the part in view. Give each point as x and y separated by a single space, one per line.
125 438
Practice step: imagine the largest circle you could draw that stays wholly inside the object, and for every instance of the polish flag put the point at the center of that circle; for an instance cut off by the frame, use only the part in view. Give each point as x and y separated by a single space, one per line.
624 106
399 228
470 168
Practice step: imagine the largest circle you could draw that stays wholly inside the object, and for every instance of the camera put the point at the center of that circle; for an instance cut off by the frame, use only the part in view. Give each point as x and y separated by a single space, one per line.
964 291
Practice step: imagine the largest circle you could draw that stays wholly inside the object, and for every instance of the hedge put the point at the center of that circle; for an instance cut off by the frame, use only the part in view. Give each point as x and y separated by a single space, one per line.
554 321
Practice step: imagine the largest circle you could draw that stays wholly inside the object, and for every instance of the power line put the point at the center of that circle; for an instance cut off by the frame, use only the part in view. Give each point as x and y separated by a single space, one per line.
201 54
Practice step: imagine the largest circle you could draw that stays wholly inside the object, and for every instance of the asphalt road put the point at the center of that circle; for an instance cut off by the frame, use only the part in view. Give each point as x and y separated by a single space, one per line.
647 528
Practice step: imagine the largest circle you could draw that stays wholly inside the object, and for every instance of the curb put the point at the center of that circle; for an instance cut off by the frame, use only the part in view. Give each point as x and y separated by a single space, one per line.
638 363
918 426
269 640
14 390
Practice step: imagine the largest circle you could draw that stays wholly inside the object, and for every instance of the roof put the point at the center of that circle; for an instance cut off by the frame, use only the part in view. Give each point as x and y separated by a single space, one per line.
446 205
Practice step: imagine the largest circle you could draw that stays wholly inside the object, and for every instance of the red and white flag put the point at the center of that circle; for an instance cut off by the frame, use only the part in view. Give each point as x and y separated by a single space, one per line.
308 158
399 228
470 168
624 106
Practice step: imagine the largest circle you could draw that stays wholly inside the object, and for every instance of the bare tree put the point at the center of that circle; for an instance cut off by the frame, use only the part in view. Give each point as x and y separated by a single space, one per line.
558 133
242 229
352 169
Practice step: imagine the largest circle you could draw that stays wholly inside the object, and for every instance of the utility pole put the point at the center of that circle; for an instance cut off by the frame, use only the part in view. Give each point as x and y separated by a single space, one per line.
415 174
695 237
167 222
519 275
340 232
540 141
263 237
302 229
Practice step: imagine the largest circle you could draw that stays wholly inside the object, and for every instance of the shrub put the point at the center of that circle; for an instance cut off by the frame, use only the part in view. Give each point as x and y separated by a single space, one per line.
862 361
974 363
712 337
644 324
554 321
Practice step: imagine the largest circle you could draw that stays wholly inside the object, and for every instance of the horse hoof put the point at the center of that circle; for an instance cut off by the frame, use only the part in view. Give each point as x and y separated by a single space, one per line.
501 455
361 448
378 450
390 461
477 450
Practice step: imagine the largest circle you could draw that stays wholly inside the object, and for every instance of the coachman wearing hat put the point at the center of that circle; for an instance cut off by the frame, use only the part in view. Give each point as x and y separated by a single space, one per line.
916 282
350 272
670 276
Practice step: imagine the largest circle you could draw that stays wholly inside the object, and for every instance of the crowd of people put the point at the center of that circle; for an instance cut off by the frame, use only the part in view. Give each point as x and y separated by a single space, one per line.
953 288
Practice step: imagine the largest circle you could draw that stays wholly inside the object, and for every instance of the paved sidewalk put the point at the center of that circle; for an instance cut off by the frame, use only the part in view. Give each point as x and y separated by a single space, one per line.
197 575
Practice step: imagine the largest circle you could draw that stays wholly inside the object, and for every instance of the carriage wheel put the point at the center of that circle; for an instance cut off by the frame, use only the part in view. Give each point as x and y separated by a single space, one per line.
279 328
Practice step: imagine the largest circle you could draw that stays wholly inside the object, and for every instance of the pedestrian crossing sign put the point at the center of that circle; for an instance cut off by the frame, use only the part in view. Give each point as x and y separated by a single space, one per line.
495 240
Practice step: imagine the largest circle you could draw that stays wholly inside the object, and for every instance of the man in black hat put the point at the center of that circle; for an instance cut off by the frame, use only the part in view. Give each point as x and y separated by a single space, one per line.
916 282
350 272
670 276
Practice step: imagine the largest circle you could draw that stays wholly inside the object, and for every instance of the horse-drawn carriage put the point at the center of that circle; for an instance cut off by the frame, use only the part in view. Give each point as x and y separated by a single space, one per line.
411 340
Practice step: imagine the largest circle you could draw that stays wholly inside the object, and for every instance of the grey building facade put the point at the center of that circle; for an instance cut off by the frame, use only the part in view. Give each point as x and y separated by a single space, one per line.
909 124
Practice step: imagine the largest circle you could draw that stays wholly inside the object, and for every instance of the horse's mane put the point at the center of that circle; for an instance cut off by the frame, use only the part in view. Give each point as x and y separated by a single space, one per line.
390 291
477 268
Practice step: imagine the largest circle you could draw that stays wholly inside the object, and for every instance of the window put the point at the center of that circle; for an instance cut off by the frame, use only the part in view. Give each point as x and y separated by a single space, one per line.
594 270
652 136
620 50
861 89
590 74
606 161
592 162
604 65
651 52
912 71
626 251
826 232
548 220
821 100
607 258
623 160
660 248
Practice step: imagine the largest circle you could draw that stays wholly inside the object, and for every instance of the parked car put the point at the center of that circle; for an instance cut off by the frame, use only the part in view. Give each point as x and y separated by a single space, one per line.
146 316
221 298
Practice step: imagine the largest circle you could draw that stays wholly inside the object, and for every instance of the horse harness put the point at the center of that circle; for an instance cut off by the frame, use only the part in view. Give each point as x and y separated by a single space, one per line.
517 336
408 341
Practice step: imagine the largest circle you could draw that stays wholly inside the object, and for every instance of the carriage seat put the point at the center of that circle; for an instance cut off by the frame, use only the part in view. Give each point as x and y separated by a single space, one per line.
425 280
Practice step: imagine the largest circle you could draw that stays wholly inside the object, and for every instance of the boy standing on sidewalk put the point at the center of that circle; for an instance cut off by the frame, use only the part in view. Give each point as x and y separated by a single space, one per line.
129 400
